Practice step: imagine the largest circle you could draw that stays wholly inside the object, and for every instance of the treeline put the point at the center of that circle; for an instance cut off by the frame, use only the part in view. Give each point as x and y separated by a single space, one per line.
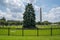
12 22
47 23
9 22
43 23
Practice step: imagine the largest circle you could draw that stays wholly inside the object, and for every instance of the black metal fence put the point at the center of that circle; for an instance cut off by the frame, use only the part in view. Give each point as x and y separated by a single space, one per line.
29 32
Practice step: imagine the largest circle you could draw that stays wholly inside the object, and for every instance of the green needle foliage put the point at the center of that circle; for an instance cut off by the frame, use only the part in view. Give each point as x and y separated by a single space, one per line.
29 17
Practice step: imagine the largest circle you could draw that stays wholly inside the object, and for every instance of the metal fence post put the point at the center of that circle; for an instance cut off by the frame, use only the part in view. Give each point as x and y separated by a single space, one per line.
8 31
51 31
22 31
37 32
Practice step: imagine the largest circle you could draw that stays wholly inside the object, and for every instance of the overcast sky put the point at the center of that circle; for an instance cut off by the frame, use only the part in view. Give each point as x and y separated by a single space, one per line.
14 9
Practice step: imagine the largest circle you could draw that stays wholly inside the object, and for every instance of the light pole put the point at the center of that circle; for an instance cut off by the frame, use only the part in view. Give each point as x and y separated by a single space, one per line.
40 14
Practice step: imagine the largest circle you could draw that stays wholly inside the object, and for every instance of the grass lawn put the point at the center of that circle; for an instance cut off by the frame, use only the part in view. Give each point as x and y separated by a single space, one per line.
16 32
29 38
30 32
3 31
55 33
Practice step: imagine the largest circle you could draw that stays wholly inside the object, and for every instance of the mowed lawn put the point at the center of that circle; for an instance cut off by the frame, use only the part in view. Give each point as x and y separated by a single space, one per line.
31 34
29 38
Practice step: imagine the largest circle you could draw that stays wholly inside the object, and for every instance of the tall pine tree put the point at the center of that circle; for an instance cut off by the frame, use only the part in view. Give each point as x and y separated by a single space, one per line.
29 17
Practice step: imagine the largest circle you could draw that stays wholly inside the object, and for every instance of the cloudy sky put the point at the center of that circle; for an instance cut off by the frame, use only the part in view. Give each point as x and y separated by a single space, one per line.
14 9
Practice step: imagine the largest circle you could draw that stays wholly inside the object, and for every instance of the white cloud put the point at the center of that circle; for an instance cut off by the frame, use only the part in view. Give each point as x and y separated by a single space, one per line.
37 8
37 12
1 14
15 8
14 3
11 16
30 1
53 15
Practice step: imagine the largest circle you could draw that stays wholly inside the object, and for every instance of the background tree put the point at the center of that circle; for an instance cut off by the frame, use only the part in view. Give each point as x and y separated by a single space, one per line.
29 17
46 22
2 21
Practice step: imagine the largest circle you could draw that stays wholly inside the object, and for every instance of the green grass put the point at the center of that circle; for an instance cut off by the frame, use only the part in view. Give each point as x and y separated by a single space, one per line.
30 32
45 32
55 33
13 26
29 38
16 32
3 31
38 26
48 26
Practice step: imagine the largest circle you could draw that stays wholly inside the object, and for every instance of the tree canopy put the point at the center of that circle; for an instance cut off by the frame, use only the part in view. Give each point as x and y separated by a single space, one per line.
29 17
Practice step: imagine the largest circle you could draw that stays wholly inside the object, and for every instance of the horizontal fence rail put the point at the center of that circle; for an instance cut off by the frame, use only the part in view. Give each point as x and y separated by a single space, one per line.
29 32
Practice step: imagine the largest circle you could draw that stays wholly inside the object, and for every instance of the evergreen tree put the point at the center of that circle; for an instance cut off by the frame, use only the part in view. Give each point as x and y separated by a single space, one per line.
29 17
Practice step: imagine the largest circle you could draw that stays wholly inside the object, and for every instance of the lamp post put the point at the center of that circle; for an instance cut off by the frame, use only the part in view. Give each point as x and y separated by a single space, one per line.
40 15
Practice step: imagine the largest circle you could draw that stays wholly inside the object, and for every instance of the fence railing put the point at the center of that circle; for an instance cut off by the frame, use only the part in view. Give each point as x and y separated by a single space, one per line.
29 32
